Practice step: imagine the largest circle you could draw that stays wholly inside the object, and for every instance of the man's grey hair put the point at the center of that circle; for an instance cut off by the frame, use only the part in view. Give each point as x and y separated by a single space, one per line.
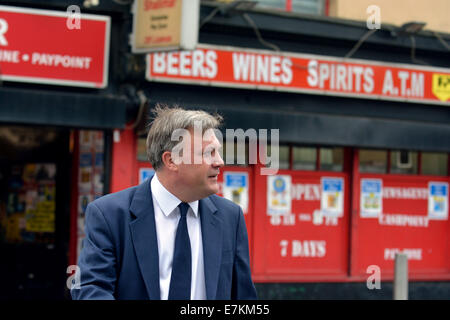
166 120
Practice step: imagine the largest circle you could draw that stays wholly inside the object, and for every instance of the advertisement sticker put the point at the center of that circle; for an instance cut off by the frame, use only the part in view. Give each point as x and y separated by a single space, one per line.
235 188
371 198
279 194
438 200
332 197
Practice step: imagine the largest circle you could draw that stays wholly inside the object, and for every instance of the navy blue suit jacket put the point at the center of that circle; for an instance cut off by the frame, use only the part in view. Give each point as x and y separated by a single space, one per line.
119 259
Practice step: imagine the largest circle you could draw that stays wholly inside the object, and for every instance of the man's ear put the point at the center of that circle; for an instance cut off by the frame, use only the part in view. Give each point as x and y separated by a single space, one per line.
168 161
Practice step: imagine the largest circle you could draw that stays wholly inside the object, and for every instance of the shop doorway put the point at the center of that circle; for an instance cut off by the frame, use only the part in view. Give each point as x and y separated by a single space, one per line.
35 167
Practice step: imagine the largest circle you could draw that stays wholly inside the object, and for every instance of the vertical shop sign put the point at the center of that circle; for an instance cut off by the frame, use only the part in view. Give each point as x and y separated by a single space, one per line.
371 198
90 182
438 200
98 153
279 194
235 188
332 197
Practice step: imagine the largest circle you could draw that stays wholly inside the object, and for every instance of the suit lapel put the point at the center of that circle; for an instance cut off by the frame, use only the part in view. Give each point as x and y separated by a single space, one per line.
143 232
212 245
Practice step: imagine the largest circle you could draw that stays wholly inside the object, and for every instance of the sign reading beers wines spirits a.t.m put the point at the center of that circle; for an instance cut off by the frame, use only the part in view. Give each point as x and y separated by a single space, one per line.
303 73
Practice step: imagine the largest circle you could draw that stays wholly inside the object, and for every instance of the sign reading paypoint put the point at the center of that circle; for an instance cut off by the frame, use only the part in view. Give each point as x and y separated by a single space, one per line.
268 70
38 46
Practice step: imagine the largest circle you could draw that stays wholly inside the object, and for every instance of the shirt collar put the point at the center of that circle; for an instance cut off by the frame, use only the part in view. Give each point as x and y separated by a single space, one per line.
167 201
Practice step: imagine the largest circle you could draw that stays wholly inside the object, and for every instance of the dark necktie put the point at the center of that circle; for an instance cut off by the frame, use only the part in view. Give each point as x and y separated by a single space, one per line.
180 281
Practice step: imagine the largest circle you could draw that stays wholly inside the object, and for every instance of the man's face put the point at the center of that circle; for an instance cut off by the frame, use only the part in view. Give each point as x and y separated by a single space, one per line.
199 175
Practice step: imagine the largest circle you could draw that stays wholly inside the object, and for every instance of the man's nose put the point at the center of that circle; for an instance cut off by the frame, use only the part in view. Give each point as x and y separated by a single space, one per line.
218 161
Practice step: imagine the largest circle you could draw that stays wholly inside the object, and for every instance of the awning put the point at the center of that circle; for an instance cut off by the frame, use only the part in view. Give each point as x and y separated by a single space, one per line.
319 120
56 108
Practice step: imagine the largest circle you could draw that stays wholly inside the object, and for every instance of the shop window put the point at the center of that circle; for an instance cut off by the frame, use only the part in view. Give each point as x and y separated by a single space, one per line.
302 6
404 162
304 158
372 161
142 149
331 159
308 6
238 156
434 163
275 4
283 156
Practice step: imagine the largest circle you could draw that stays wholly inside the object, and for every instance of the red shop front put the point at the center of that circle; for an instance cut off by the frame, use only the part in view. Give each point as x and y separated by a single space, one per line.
400 213
324 221
320 225
301 226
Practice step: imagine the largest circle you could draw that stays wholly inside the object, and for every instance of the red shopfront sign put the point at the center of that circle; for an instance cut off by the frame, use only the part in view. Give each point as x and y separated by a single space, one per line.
38 46
266 70
406 214
301 228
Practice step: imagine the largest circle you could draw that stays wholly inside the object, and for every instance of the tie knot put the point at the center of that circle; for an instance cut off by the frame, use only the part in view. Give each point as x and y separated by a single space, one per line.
184 207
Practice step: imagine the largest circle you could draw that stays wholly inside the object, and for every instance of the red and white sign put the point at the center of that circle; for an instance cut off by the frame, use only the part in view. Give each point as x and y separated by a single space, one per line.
38 46
404 224
266 70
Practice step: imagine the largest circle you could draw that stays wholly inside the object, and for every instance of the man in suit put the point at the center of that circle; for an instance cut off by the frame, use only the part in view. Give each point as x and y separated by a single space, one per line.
170 237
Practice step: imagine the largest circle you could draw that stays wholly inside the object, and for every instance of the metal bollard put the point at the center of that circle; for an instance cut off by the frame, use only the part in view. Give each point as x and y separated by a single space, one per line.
401 277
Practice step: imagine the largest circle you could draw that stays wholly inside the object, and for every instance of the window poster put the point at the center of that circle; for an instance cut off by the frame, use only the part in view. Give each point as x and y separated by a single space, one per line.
30 206
332 197
90 175
279 194
371 201
438 200
235 188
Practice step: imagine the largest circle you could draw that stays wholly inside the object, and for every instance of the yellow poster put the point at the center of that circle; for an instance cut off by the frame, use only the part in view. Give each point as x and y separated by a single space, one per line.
40 221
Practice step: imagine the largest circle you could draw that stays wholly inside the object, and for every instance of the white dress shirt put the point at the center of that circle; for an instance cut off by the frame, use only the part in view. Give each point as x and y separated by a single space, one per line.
167 214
